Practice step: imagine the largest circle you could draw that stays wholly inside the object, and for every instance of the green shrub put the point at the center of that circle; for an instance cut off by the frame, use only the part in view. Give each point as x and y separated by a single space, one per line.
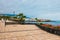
41 23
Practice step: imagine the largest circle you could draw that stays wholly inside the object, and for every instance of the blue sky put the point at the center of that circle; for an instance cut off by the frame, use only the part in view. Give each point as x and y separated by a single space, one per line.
46 9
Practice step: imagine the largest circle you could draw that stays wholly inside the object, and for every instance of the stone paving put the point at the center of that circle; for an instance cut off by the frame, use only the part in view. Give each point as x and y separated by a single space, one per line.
25 32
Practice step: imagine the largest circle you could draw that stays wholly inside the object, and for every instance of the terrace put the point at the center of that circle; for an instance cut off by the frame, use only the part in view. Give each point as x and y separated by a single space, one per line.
16 31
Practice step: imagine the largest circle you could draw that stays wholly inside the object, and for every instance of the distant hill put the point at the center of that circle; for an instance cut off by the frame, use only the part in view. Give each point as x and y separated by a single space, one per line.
8 14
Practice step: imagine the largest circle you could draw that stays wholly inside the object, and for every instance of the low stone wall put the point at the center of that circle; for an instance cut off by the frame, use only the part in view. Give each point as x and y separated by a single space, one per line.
54 31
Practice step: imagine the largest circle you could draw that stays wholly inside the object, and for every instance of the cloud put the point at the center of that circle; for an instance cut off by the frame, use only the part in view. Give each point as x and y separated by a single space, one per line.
36 8
52 16
24 1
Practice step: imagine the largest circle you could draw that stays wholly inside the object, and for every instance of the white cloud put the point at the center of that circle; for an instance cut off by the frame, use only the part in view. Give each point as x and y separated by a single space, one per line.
53 16
24 1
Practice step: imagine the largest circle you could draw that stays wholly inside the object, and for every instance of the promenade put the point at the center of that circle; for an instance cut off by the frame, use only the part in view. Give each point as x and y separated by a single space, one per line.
25 32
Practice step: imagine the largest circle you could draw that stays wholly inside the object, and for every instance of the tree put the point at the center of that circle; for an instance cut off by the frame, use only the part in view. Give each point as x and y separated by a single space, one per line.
36 19
5 17
15 17
22 17
0 17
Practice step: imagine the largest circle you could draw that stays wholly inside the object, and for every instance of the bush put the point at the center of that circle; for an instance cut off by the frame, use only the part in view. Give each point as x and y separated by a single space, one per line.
41 23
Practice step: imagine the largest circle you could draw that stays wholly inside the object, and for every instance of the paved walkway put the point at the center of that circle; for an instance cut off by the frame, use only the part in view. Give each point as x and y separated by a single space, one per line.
25 32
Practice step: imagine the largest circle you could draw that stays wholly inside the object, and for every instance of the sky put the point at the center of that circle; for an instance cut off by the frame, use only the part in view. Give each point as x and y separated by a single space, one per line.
43 9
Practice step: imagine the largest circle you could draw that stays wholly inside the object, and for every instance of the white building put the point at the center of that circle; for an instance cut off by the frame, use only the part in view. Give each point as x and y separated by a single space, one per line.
30 19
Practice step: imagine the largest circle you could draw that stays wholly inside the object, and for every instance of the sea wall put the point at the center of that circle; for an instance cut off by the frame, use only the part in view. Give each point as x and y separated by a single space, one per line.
54 31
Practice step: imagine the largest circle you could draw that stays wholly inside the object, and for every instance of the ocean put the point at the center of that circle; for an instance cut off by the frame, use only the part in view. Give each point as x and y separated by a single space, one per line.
52 23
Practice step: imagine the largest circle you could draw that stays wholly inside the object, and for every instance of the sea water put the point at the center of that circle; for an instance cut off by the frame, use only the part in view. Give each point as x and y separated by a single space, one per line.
52 23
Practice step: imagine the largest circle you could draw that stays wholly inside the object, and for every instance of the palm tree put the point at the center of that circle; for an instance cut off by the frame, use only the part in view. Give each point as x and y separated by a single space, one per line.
5 17
0 17
22 17
15 17
36 19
